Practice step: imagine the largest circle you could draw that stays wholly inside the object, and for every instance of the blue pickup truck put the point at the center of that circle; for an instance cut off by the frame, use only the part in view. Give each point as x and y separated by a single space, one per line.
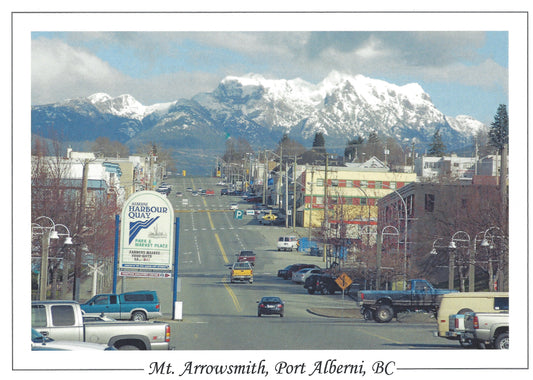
137 306
384 305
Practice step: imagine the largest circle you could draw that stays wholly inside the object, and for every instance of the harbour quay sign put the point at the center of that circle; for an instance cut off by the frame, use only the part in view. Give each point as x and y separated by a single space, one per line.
147 232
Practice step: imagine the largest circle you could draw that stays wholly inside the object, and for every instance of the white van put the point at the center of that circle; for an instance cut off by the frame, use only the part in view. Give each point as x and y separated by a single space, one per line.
460 303
287 243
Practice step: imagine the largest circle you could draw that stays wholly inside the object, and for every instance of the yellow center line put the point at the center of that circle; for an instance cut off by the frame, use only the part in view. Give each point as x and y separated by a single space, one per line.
232 294
221 249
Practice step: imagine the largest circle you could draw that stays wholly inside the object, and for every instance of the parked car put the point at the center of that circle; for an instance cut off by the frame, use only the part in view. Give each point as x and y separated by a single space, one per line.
41 343
287 243
286 273
63 321
223 191
233 206
464 302
321 283
300 276
137 305
270 305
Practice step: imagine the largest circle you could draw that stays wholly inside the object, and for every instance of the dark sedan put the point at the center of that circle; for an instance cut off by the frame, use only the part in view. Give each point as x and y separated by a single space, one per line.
287 272
270 305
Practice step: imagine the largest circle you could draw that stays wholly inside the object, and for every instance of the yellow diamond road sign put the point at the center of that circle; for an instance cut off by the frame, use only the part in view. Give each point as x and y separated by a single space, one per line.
343 281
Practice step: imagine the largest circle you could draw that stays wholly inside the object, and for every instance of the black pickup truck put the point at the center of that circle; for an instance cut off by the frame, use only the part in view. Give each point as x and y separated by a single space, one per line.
384 305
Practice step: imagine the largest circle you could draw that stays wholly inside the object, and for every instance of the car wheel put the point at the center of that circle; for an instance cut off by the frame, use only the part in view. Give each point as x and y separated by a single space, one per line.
502 342
311 291
258 314
368 314
138 316
128 347
384 314
281 315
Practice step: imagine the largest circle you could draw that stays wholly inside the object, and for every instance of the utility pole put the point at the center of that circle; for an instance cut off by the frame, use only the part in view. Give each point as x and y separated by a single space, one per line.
81 218
286 200
326 228
294 194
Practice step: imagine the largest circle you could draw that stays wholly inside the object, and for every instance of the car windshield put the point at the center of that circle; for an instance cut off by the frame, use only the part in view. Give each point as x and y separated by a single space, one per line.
271 299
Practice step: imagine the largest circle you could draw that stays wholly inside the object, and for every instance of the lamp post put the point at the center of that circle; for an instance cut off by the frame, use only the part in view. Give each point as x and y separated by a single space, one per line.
453 246
47 233
488 242
404 203
379 243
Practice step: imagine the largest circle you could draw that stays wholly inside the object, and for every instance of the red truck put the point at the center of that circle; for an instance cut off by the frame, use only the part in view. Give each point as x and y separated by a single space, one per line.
210 192
248 256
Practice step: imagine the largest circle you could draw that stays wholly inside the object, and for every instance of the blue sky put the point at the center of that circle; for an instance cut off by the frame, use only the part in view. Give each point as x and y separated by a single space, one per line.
465 73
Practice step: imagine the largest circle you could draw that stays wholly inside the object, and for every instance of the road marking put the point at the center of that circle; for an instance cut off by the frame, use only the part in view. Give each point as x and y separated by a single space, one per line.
384 338
233 296
221 249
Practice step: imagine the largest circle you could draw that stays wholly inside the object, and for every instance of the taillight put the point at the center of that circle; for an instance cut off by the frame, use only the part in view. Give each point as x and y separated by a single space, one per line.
476 322
157 306
167 334
456 323
362 296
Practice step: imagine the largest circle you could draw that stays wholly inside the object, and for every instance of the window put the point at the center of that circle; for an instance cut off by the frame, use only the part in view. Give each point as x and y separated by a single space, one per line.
320 182
335 182
62 315
429 202
362 201
379 185
38 316
136 297
101 300
501 303
349 183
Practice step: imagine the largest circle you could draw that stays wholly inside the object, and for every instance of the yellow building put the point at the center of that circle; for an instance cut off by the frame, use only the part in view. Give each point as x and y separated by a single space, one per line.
352 194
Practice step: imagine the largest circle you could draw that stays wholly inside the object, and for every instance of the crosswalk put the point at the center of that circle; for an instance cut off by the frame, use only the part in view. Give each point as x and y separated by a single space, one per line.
212 229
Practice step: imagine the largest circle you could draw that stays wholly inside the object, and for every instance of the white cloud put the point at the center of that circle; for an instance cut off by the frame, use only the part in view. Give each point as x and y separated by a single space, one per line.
60 71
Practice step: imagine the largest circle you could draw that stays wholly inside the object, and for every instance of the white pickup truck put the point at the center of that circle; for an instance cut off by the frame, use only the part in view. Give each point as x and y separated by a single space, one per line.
480 329
63 321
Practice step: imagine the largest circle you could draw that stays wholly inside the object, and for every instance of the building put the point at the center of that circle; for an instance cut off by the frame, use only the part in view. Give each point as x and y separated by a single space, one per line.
349 194
437 211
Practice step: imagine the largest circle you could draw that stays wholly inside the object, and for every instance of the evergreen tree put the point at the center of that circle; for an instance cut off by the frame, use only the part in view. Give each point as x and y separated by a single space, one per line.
437 147
499 129
350 152
319 143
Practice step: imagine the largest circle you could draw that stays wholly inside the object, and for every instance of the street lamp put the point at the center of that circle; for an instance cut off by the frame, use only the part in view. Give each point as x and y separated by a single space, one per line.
47 233
453 246
404 203
488 242
379 243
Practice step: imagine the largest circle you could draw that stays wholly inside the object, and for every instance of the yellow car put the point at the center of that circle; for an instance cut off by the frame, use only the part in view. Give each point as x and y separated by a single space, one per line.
269 218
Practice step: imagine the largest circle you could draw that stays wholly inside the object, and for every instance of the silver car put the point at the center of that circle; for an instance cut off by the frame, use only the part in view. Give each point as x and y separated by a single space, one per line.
300 276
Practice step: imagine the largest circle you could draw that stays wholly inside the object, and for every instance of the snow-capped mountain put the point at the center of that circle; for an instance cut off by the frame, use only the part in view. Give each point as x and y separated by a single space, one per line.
261 110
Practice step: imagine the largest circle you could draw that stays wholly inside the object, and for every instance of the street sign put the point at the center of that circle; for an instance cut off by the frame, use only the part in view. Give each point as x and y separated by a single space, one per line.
147 232
343 281
125 273
239 214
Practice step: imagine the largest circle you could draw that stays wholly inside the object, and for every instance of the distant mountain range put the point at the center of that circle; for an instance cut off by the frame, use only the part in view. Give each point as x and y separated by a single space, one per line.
260 110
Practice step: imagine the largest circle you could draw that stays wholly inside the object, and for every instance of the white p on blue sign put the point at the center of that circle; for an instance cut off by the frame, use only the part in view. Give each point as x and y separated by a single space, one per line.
238 214
147 232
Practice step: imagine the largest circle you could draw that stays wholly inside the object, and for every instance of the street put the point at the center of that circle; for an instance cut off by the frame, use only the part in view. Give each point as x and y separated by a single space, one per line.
218 315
